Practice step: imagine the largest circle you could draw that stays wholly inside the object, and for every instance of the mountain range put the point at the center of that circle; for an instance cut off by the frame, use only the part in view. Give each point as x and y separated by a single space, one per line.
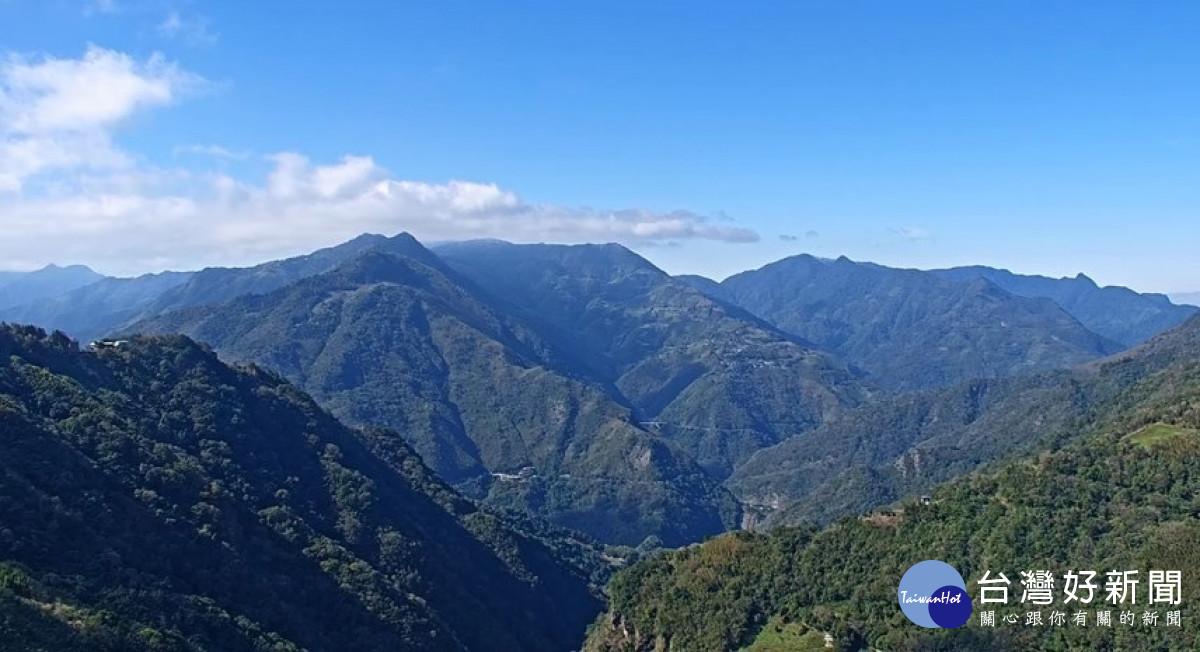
452 447
586 386
712 379
1120 493
916 330
1117 313
93 310
393 337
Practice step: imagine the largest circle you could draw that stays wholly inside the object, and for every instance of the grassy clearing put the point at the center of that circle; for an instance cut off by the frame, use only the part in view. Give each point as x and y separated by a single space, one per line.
779 636
1159 433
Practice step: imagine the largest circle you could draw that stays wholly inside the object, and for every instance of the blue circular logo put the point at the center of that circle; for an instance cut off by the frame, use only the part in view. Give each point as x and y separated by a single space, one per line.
933 594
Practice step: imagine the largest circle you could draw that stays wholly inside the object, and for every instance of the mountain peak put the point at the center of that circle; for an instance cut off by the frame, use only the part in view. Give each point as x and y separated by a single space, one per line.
378 266
402 242
796 261
45 283
55 267
369 239
406 237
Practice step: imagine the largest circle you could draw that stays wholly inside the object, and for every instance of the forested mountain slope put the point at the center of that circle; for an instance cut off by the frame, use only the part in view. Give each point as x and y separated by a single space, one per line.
401 341
905 444
1123 496
157 499
712 378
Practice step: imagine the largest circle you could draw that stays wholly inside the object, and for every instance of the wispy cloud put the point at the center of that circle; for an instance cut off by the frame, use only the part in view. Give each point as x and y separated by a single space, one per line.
910 233
99 7
788 238
193 29
170 19
215 151
69 193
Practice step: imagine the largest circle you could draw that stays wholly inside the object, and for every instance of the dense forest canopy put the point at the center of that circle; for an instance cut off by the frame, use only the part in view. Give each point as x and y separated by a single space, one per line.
157 499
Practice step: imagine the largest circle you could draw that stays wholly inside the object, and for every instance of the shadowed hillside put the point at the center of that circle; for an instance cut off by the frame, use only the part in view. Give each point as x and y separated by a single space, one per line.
156 499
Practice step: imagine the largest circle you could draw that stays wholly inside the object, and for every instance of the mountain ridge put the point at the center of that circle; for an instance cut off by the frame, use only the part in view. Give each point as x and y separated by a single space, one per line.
1115 312
911 329
387 339
713 378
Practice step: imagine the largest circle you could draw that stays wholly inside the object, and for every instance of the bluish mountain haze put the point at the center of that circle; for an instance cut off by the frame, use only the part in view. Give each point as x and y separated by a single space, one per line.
1117 313
115 302
97 309
910 329
20 288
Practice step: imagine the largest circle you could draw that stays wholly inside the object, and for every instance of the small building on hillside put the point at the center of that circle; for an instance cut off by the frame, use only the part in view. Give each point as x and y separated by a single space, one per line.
108 344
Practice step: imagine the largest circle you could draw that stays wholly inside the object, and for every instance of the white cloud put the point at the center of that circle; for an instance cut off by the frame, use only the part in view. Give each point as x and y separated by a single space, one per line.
58 114
96 204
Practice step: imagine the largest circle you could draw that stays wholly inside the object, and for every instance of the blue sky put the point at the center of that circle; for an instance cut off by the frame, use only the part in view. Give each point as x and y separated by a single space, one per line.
1045 137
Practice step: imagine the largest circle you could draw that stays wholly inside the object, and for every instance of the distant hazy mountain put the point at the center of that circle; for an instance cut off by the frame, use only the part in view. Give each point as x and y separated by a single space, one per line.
710 377
18 288
895 446
113 303
402 341
1187 299
1117 313
911 329
156 499
94 310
